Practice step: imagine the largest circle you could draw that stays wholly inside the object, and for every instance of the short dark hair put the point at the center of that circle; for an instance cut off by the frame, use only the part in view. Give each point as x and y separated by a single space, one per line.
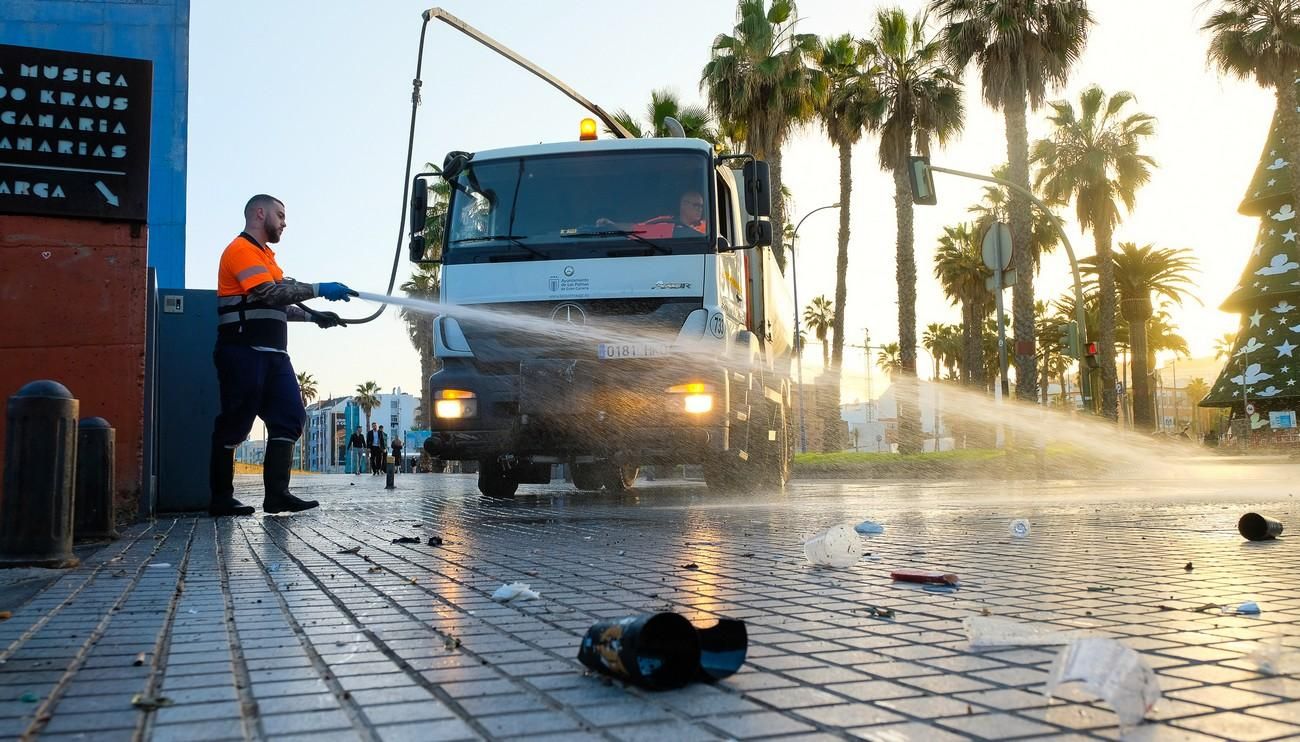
259 201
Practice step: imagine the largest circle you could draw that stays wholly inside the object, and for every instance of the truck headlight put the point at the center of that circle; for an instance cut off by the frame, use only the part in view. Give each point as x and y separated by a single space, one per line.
696 398
454 404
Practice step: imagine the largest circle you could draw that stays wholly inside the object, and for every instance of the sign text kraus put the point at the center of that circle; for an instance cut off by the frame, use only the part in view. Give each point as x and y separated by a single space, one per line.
74 134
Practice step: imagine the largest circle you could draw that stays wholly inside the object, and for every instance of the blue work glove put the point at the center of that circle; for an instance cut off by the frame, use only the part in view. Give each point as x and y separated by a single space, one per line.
335 291
327 320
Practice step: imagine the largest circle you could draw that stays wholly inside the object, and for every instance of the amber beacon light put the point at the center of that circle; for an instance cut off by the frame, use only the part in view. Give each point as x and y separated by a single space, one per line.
587 130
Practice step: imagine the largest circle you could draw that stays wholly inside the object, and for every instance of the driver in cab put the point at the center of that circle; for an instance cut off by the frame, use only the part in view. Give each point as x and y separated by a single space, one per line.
689 219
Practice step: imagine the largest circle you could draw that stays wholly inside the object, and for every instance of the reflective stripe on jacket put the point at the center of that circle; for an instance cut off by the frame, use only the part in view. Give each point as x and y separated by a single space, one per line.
246 264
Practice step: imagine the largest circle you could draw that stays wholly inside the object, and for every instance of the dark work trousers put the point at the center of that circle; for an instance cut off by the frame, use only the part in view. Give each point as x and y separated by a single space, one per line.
256 383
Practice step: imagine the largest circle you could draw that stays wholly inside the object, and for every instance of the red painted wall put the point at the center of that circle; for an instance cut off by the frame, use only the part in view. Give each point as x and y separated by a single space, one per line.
72 309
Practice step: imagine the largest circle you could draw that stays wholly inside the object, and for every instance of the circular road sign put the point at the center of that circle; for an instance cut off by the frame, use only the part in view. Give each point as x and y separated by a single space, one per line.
997 232
1250 408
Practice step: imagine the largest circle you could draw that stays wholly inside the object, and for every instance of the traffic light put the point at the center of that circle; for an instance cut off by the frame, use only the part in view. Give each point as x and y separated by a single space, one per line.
922 180
1070 337
1090 356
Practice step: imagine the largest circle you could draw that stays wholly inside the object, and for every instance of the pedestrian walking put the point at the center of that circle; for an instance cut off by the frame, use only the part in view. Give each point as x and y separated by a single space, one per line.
397 452
380 465
254 306
357 450
375 448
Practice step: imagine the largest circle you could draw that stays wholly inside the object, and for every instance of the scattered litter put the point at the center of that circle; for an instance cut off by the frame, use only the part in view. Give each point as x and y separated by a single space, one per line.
586 538
435 541
1019 528
748 555
664 650
1187 567
6 615
193 611
1250 608
916 552
879 612
1207 608
1274 658
837 546
139 660
1256 527
406 540
869 528
1101 589
622 552
375 568
1111 671
985 631
29 697
149 703
923 576
531 572
451 642
692 565
513 591
940 588
273 567
353 550
158 565
120 573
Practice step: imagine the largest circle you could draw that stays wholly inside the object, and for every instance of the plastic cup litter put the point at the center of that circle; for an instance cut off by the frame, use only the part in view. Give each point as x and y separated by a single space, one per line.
837 546
1019 528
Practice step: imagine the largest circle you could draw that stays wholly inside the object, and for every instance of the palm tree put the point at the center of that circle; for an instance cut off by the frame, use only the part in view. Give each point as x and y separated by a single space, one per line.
424 283
1094 159
1197 390
932 340
889 359
959 266
1022 48
851 102
1224 344
921 99
307 390
367 399
1053 358
1260 39
950 348
1139 273
695 120
819 315
760 78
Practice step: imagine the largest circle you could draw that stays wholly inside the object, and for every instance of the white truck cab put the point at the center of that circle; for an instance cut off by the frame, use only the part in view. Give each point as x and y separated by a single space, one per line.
609 304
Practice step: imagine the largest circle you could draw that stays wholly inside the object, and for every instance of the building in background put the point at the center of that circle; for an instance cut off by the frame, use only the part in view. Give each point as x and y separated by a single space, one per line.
330 423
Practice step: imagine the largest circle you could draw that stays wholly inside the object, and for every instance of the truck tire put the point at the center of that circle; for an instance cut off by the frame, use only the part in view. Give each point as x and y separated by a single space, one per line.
586 477
775 457
494 481
722 471
620 477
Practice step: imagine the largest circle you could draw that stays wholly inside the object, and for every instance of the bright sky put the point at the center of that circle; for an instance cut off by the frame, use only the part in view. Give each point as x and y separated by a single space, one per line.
310 102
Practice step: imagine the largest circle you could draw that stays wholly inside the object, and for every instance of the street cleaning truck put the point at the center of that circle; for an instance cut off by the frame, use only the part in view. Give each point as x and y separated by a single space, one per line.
609 304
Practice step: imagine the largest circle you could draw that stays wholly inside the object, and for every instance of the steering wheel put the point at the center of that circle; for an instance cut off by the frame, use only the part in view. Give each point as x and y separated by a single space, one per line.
681 229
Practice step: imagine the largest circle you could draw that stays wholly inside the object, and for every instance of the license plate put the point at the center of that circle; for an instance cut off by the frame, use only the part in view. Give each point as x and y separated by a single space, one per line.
611 351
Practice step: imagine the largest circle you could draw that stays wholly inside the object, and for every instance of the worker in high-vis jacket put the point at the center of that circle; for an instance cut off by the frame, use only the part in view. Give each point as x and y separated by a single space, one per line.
254 306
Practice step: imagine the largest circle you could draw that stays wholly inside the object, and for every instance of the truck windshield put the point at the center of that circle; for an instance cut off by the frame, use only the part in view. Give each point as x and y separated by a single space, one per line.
562 205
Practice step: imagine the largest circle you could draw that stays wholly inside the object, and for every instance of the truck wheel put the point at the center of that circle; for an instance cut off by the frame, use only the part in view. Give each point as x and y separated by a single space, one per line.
722 472
586 477
777 456
493 481
620 477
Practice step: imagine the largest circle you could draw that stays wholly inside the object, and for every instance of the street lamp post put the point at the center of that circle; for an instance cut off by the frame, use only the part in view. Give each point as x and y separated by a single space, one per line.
794 279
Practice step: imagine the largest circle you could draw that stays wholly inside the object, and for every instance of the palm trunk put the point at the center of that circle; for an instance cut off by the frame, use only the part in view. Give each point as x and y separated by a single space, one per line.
1019 208
826 353
1137 313
910 438
1106 294
1290 120
842 257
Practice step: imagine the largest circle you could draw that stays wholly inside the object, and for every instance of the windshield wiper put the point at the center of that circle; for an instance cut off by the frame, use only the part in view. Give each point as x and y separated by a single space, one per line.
620 233
513 239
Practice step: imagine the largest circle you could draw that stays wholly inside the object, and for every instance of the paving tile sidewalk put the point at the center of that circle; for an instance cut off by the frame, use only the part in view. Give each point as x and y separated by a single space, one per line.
281 628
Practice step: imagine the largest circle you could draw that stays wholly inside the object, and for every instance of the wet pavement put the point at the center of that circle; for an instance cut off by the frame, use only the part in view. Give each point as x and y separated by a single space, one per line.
317 626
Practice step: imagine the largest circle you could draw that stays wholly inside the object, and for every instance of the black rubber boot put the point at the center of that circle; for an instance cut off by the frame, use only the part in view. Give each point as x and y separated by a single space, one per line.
275 476
221 482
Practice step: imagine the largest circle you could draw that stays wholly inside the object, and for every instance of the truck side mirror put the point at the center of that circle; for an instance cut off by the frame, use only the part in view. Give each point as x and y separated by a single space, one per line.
758 233
758 188
420 244
419 204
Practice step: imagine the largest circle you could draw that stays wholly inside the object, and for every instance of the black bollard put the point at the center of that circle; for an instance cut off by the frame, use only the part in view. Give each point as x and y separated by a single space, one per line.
93 514
40 464
388 467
